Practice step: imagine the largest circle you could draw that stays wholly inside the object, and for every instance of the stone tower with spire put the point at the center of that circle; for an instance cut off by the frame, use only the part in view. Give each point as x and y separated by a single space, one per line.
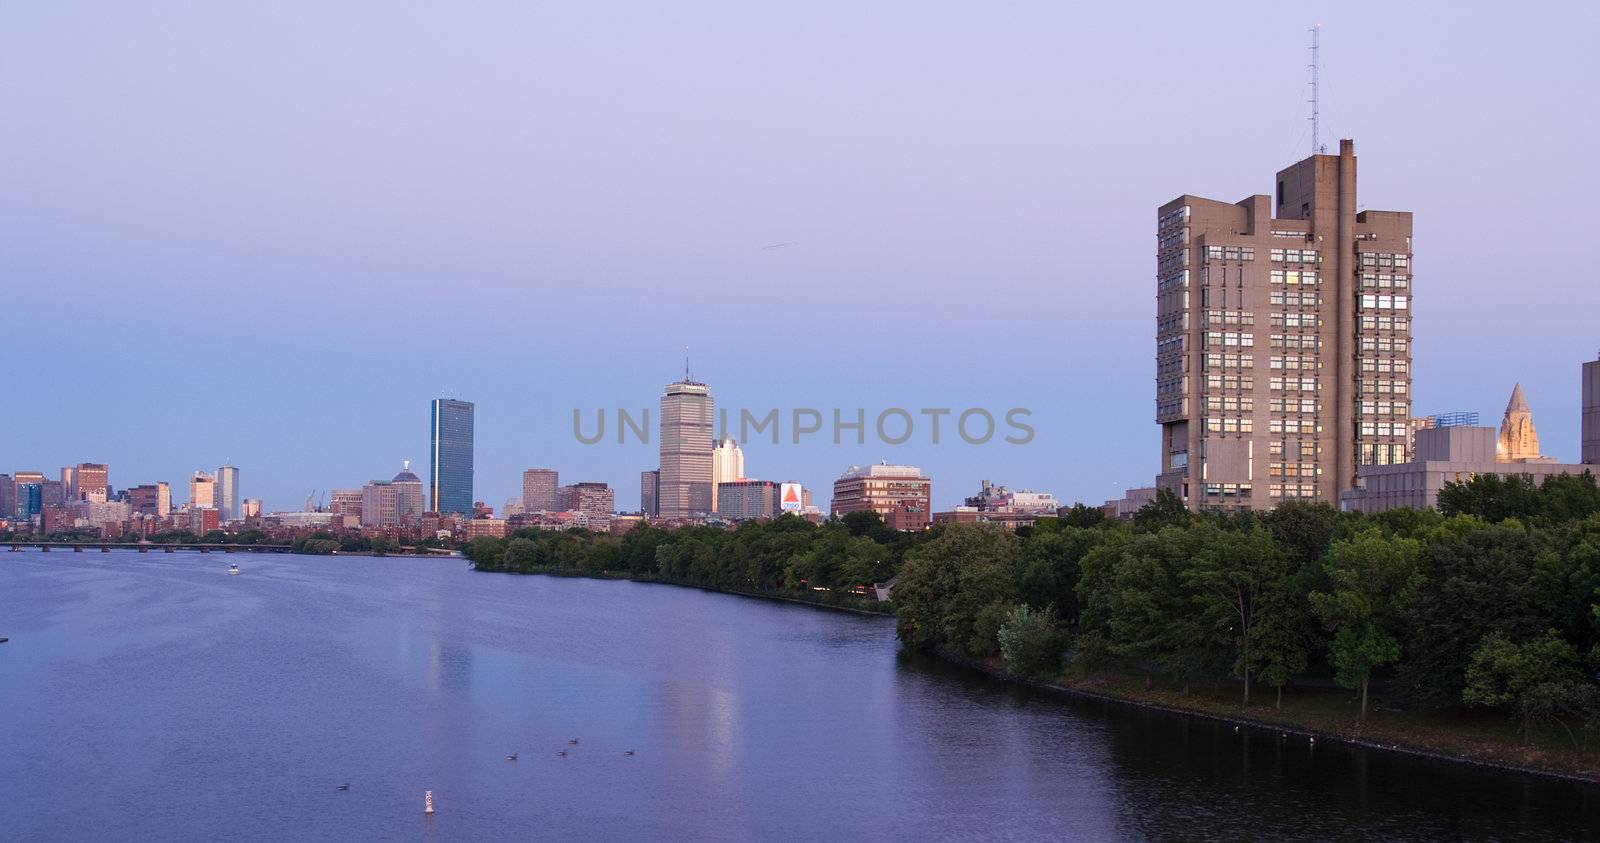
1518 440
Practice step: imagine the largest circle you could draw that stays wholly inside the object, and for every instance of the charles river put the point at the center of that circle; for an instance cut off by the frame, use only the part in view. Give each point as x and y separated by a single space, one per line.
155 697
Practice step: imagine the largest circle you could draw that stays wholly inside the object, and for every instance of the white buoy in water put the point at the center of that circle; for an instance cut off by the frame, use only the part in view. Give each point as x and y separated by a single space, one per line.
427 802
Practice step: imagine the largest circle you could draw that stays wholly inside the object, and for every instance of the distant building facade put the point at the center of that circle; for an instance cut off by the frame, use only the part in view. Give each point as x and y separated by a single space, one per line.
1591 412
684 488
227 494
649 493
1457 454
539 489
346 502
1443 455
29 492
450 456
202 490
395 503
154 499
87 481
727 463
742 500
1133 500
900 494
494 528
992 498
203 519
595 502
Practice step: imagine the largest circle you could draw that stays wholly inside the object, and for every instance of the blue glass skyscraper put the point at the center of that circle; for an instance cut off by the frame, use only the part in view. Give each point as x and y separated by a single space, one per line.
450 457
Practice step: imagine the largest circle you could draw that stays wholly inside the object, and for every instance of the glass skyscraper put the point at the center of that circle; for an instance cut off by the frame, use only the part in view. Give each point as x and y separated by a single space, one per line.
450 457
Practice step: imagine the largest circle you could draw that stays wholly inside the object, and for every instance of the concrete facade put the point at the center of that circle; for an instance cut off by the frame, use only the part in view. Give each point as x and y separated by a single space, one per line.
1283 356
1443 455
539 489
1591 412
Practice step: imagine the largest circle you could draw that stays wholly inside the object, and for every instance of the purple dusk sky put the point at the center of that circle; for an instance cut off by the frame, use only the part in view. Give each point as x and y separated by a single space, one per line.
270 233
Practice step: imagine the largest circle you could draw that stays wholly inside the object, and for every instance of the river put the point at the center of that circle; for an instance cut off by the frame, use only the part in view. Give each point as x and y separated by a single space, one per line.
153 696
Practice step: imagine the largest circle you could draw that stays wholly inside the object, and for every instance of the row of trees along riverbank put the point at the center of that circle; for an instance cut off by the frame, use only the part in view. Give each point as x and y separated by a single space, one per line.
786 557
1492 602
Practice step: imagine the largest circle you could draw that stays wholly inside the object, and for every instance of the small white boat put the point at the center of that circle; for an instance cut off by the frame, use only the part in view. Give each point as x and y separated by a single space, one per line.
233 569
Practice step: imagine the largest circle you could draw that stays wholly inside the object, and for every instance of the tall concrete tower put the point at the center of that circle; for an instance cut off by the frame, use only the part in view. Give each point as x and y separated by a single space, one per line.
1283 340
1591 412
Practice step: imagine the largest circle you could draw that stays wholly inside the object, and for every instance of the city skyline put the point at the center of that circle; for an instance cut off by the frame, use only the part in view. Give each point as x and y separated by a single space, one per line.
1033 223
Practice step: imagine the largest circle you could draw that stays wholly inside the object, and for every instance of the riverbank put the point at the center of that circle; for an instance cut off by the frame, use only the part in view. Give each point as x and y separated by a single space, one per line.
1478 739
822 600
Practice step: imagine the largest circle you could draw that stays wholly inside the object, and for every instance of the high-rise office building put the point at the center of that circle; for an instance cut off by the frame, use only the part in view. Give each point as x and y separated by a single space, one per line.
450 458
649 492
595 501
227 494
685 487
1591 412
727 465
30 493
154 499
202 490
393 503
8 496
539 489
86 481
1283 328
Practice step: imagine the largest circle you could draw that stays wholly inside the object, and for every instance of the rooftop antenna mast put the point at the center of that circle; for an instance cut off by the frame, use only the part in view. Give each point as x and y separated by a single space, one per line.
1317 146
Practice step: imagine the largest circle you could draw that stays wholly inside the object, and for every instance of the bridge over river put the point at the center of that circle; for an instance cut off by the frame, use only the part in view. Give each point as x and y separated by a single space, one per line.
148 547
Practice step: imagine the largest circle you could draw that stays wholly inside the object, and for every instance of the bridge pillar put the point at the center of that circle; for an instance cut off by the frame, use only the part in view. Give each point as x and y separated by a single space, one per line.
203 550
143 549
167 548
77 548
105 549
227 550
45 548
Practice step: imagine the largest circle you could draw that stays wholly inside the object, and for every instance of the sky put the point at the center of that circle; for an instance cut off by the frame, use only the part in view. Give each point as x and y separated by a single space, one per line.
270 234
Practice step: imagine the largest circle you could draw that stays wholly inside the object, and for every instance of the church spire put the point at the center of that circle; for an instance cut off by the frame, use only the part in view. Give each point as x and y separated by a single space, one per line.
1518 440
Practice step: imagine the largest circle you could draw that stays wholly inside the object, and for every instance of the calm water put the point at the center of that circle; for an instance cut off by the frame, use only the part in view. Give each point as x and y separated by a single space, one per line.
154 697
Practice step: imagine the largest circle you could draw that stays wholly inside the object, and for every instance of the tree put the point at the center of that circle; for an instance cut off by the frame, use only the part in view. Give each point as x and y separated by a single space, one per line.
1030 642
1167 510
1049 569
1282 638
955 587
485 552
1536 680
1372 580
1080 515
1477 578
519 554
1233 578
1150 617
1303 530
